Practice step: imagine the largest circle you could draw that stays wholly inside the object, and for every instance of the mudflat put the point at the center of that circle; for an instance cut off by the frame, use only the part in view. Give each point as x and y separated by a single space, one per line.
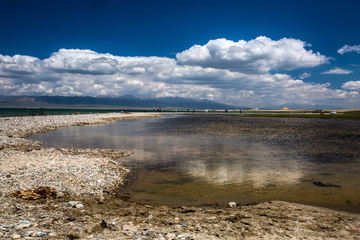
84 207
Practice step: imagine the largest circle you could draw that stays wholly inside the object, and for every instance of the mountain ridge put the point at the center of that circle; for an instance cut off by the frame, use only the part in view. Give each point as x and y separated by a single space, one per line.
133 101
130 101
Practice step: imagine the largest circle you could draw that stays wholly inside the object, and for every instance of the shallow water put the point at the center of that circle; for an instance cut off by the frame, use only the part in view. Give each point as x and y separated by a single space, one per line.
212 160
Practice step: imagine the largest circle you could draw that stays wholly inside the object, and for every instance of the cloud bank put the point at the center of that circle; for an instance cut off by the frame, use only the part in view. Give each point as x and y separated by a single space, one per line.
229 72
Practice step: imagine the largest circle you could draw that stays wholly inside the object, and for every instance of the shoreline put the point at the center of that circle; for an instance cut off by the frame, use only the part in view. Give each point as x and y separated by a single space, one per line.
26 165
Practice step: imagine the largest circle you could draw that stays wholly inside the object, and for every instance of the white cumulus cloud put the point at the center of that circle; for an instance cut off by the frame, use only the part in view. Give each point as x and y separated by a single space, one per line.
338 71
346 48
351 85
255 56
305 75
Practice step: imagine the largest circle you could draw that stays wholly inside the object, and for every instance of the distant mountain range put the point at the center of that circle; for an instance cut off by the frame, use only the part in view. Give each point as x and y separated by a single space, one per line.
132 101
127 101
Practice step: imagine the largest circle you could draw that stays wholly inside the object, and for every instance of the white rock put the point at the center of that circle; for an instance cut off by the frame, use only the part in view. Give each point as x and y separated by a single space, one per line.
79 206
22 226
74 203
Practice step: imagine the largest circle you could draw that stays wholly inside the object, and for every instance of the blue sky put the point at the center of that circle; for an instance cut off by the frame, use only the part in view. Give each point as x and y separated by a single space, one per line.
245 53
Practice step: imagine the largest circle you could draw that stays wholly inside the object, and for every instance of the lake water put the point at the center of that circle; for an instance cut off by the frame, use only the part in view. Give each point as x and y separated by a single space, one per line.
198 160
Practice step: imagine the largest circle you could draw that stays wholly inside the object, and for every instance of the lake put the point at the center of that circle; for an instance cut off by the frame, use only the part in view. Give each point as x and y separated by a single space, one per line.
202 160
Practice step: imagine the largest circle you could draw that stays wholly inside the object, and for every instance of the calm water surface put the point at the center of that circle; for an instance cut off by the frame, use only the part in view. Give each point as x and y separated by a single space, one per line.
212 160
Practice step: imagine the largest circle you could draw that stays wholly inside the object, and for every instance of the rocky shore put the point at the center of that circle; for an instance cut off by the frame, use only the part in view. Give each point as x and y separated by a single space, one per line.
83 207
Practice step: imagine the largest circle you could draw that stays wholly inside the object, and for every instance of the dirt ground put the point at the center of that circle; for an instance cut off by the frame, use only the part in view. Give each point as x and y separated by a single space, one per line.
112 218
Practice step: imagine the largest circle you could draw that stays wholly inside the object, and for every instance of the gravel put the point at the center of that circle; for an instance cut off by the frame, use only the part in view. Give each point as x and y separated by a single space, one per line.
25 165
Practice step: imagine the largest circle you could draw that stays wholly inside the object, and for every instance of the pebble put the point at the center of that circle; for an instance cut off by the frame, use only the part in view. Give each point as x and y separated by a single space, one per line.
140 237
183 224
16 236
79 206
40 234
73 203
22 226
170 236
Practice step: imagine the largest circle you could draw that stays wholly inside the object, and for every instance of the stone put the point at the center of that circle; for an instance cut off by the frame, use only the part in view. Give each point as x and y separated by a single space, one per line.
79 206
73 203
198 227
97 228
170 236
139 237
22 226
16 236
232 204
40 234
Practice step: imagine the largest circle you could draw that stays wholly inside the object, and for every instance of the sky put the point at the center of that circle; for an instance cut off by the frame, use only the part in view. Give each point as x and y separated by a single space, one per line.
243 53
